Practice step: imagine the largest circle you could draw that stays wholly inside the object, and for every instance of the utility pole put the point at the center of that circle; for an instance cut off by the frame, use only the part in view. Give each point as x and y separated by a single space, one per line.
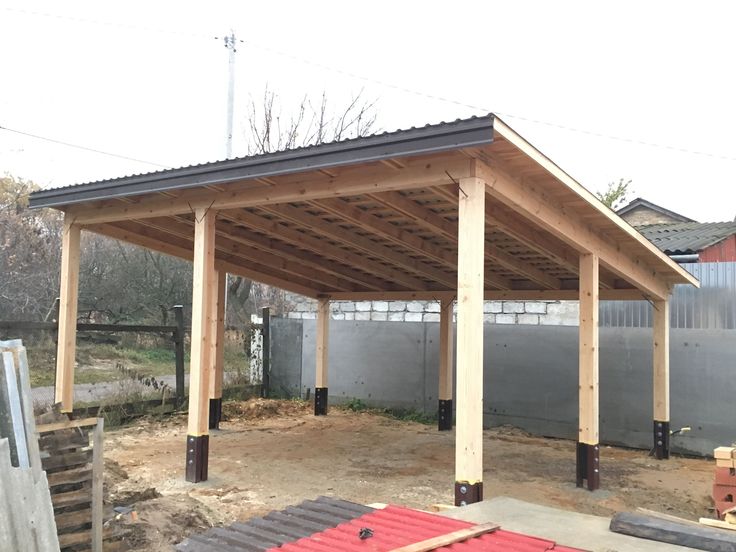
230 45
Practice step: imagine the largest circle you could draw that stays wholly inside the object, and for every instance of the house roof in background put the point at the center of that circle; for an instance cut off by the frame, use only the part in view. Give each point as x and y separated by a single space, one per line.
641 202
683 238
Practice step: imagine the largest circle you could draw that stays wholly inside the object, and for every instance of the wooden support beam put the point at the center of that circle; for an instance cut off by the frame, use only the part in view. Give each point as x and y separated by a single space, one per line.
404 239
217 347
169 244
588 408
661 363
448 230
489 295
203 297
447 355
69 293
254 250
322 247
418 173
321 354
540 208
336 232
469 429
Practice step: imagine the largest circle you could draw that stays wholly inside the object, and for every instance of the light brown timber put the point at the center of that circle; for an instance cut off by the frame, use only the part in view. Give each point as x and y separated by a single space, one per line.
588 350
661 361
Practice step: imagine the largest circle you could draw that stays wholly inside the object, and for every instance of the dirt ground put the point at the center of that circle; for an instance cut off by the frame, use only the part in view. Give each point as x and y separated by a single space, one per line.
270 454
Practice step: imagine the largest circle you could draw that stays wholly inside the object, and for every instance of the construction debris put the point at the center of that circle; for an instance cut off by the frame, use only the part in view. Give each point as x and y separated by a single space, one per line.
26 512
724 486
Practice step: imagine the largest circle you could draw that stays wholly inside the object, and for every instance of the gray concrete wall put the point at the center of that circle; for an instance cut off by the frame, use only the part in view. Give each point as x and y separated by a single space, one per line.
530 376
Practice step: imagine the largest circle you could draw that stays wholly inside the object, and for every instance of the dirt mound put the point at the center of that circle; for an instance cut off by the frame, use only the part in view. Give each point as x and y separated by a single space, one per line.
164 521
258 409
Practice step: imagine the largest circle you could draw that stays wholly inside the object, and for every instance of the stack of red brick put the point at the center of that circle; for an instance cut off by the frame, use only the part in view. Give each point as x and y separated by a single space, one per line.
724 488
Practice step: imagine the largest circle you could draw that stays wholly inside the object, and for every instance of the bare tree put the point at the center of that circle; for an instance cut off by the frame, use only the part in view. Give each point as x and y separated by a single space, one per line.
271 127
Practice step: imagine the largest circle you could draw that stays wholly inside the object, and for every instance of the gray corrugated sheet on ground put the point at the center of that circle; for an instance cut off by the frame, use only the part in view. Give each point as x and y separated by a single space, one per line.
684 238
276 528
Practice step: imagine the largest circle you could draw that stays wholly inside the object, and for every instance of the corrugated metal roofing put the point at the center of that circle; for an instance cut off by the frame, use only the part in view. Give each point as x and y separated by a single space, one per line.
683 238
461 133
275 528
394 527
330 524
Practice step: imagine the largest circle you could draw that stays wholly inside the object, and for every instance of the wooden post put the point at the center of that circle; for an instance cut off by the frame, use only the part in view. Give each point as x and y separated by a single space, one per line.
67 334
587 449
470 260
444 419
661 330
217 347
320 380
266 353
179 353
200 365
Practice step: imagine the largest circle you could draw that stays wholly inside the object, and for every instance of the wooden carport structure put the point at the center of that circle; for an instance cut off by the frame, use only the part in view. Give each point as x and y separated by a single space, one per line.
461 211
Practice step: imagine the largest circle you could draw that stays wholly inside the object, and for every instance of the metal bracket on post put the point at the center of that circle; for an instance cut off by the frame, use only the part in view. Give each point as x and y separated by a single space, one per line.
215 413
661 440
198 448
444 418
588 466
468 493
320 401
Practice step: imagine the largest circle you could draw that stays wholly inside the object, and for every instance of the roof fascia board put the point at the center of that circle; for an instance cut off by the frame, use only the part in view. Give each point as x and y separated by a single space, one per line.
426 140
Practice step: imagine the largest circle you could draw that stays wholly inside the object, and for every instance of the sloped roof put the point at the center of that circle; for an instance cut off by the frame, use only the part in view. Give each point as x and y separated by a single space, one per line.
683 238
641 202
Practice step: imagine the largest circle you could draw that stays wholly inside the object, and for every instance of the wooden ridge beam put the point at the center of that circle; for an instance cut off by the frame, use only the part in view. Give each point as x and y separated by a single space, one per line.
336 232
535 205
418 173
182 249
306 241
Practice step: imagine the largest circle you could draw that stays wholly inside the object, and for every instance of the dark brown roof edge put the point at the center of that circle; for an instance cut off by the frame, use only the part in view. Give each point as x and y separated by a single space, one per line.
459 134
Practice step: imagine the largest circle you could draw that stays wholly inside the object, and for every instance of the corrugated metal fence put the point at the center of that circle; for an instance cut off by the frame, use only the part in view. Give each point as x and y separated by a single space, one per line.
712 307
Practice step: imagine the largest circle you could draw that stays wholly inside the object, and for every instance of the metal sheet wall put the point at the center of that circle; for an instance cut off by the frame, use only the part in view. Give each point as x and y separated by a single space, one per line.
712 307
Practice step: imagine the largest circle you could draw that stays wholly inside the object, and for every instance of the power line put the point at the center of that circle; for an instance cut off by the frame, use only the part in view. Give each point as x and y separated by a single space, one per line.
385 84
85 148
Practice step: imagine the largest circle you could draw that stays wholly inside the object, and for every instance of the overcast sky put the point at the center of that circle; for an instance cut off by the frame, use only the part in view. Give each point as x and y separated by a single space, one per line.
148 80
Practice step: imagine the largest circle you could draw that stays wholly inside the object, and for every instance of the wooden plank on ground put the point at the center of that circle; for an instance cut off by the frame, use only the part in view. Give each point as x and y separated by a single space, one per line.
69 477
718 523
72 498
70 520
671 532
448 539
68 460
48 428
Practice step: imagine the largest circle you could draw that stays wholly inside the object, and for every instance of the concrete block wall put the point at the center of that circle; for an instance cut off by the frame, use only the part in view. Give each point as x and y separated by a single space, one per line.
535 313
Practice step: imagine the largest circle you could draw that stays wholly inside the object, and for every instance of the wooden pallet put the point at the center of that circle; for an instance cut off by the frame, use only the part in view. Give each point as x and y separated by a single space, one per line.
72 456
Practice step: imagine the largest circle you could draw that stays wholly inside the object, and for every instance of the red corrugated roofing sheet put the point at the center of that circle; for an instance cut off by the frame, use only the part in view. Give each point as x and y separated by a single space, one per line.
394 527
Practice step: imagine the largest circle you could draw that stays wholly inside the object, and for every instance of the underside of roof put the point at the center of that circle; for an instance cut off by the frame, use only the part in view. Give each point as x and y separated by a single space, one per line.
684 238
379 214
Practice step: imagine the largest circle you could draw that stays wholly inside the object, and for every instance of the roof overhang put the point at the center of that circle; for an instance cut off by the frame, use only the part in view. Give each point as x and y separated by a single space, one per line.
379 215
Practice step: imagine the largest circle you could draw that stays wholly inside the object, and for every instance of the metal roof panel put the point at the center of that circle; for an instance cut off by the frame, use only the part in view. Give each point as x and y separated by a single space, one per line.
683 238
459 134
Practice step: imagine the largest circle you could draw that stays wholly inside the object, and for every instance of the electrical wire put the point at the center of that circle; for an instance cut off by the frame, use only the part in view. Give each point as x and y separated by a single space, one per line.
85 148
385 84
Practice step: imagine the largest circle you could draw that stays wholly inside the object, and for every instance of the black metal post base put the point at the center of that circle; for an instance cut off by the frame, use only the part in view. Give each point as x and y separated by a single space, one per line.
468 493
661 440
588 466
444 419
198 452
215 413
320 401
